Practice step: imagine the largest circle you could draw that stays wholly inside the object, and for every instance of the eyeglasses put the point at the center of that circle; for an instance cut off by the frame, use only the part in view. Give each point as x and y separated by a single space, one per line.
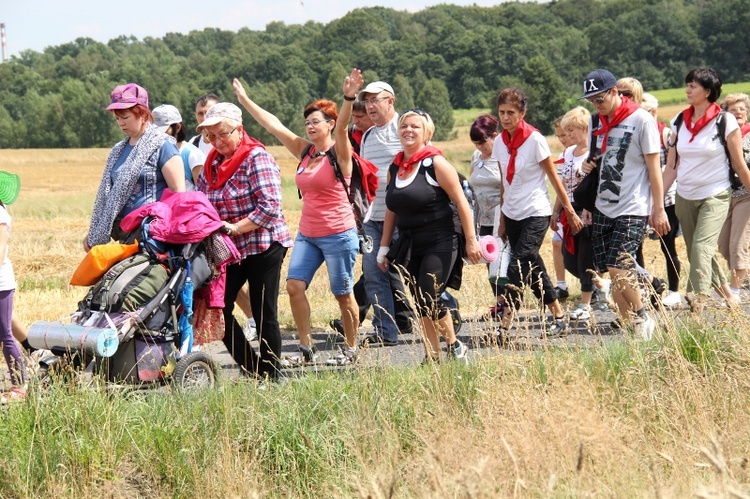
626 93
223 136
599 98
374 101
315 123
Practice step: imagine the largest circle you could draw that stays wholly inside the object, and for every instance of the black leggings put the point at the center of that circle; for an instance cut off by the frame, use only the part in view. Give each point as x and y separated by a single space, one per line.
526 265
430 265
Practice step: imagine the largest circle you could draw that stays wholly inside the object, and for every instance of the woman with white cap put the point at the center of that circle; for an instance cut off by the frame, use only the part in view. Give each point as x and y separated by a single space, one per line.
169 120
243 182
138 168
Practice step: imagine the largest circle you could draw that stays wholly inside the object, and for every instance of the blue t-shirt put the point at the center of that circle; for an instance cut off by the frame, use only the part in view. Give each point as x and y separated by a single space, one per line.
151 182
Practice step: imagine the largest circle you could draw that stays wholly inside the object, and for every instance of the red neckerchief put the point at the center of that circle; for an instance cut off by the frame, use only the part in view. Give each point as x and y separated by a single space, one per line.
687 118
513 143
661 126
568 238
745 129
228 166
559 161
625 109
405 166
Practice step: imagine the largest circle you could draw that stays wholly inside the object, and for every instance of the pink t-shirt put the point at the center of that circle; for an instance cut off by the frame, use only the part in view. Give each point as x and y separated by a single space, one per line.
325 206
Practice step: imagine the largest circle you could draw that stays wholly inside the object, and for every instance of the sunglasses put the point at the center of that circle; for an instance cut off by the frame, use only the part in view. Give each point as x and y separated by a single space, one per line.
416 111
599 98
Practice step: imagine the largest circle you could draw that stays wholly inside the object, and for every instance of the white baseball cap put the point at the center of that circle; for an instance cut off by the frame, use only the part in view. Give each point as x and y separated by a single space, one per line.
166 115
375 88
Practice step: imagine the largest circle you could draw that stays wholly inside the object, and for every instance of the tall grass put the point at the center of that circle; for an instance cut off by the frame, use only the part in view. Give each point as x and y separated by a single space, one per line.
618 420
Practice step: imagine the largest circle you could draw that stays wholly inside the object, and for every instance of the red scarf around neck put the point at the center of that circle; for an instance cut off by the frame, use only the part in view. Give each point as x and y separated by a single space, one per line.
406 165
745 129
228 166
625 109
513 143
687 118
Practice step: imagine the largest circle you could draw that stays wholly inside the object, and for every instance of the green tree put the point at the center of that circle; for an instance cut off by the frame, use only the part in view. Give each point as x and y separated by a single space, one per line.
433 98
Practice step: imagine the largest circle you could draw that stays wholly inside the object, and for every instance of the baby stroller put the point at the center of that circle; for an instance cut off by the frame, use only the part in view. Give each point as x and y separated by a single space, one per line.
134 324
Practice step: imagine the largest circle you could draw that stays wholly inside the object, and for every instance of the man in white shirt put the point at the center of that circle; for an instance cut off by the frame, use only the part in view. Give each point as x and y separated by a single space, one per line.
202 105
629 194
380 145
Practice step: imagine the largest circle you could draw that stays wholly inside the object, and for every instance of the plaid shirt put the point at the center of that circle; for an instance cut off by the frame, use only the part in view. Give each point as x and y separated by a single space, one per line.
252 192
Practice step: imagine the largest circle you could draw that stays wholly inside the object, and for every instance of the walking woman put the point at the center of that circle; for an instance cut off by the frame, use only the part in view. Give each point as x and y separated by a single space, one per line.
138 168
243 182
10 184
699 163
734 239
422 190
327 228
484 177
526 166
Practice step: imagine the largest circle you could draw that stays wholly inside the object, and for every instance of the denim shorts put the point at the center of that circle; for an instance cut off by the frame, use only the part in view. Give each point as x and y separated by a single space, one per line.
338 251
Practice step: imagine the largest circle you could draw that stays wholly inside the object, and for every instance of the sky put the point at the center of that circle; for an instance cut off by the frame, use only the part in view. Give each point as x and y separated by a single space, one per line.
34 25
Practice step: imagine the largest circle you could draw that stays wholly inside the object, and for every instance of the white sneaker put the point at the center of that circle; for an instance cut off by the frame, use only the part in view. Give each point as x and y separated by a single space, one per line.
347 357
458 351
604 294
644 328
250 330
672 299
581 313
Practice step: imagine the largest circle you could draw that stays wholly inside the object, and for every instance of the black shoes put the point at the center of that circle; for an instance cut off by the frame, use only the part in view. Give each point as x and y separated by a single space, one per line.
373 340
562 294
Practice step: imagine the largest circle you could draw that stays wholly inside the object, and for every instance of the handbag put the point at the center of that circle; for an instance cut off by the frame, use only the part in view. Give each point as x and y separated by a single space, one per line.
584 195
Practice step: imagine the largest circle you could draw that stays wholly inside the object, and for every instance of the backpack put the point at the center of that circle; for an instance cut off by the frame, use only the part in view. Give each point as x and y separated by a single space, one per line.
363 185
126 286
470 195
721 128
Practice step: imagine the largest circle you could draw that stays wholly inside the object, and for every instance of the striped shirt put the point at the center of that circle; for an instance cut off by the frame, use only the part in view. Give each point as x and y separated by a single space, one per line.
252 192
380 145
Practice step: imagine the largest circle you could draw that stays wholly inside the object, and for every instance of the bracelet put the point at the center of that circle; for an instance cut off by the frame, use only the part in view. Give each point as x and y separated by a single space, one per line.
350 99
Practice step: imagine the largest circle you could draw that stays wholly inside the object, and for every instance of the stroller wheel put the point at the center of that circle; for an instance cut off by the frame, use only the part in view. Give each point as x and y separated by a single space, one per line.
194 370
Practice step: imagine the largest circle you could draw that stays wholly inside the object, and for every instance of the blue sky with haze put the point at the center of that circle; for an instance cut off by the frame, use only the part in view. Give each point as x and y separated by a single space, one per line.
43 23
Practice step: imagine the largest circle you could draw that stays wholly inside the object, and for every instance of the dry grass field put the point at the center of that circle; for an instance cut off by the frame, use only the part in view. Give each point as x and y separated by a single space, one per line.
666 419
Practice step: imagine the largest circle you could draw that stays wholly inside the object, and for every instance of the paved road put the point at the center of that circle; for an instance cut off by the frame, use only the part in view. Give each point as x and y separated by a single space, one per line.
525 336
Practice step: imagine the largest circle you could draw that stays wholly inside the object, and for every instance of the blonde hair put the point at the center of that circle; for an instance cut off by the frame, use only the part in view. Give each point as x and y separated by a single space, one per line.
578 117
732 99
632 86
429 126
649 102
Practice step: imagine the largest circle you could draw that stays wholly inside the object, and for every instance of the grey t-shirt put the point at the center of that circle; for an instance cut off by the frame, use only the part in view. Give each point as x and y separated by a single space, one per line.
380 145
624 186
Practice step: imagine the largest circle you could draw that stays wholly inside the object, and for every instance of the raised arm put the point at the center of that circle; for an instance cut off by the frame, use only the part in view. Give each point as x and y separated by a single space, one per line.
343 146
293 142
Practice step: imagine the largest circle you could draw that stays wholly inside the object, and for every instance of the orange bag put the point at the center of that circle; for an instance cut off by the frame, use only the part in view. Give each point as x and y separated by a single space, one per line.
99 260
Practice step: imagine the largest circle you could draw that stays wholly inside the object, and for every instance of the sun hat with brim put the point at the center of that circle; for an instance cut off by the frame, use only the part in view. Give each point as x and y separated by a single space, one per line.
10 186
220 112
166 115
375 88
598 81
127 96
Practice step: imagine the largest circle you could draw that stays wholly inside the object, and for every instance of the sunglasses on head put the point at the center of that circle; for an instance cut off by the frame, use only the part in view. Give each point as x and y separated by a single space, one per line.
416 111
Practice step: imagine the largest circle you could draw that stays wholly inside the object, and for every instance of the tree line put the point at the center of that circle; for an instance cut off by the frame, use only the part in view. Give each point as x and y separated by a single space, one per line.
438 59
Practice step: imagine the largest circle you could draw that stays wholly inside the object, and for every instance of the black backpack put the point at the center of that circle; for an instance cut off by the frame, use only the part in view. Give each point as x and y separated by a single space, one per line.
721 127
469 193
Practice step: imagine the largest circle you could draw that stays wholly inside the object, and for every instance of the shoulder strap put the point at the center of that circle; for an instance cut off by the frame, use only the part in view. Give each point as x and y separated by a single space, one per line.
331 153
592 140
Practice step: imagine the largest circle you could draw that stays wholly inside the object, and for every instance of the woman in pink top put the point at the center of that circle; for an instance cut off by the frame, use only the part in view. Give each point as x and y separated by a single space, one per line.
327 230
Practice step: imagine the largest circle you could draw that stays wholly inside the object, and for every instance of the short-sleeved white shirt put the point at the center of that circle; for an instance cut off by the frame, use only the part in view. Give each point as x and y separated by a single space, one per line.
703 169
624 186
7 278
527 196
